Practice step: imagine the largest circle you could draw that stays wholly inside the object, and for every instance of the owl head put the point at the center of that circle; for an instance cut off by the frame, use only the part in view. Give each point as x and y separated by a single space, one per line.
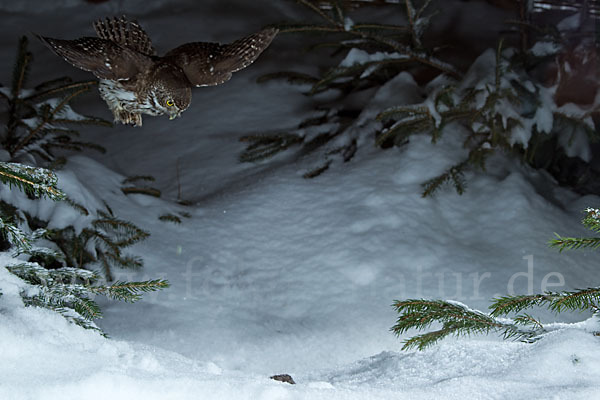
170 90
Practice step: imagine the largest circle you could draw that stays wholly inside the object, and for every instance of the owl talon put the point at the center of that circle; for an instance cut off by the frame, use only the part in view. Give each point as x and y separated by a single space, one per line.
127 118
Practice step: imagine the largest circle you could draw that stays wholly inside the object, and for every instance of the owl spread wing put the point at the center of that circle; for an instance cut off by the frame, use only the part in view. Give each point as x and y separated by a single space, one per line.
208 64
103 58
125 33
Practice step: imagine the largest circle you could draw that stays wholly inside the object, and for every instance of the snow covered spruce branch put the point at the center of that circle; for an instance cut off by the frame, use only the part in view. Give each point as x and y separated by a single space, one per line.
590 221
502 102
371 36
102 243
502 108
458 319
36 182
374 54
68 287
70 291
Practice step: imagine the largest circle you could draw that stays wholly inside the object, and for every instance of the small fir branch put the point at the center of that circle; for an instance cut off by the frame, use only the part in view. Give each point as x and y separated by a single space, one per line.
148 191
416 22
265 146
10 214
456 319
317 171
579 300
314 121
81 209
529 321
65 142
48 114
170 218
454 175
124 261
64 308
309 28
410 121
292 77
122 233
592 219
320 12
21 68
57 82
101 244
59 87
83 120
574 123
68 291
379 27
37 182
49 256
515 304
571 243
87 308
136 178
373 35
105 264
15 236
130 291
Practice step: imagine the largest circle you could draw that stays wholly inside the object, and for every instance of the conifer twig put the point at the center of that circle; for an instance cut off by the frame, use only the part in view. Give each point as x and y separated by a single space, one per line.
47 118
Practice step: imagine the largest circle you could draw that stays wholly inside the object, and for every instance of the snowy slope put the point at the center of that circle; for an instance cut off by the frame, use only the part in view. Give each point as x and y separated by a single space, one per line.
276 274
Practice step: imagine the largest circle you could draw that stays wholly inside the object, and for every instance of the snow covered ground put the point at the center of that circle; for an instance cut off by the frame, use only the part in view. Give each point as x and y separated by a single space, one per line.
275 274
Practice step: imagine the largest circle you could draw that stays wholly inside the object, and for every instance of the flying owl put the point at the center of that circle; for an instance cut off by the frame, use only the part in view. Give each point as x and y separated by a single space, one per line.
135 81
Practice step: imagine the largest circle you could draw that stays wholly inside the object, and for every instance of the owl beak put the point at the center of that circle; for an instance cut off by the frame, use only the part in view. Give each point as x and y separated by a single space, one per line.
174 115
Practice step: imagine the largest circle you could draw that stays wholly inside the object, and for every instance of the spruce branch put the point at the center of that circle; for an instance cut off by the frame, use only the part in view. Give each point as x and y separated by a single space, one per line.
141 190
320 12
38 182
529 321
21 68
515 304
68 291
571 243
416 22
592 219
130 291
583 299
265 146
453 175
47 118
170 218
135 178
456 319
59 87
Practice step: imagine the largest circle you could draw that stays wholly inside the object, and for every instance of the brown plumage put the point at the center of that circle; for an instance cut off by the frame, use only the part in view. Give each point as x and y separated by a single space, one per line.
135 81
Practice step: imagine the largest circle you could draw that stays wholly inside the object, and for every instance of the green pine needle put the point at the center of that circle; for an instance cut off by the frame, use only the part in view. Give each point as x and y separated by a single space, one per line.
35 181
456 319
571 243
130 291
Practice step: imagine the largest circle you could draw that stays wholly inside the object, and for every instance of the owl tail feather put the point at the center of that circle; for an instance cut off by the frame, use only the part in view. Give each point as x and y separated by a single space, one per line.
126 33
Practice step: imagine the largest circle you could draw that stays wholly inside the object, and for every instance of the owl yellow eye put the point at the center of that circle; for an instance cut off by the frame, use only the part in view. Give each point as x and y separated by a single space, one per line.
170 103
